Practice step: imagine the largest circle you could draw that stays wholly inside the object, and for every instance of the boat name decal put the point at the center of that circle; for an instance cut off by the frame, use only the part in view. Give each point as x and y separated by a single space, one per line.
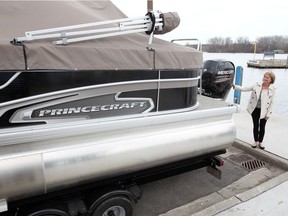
88 109
93 107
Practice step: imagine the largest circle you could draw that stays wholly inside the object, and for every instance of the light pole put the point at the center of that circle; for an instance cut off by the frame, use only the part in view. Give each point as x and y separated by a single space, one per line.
255 45
149 5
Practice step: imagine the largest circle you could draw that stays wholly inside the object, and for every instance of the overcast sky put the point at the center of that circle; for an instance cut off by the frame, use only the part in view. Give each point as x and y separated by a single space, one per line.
205 19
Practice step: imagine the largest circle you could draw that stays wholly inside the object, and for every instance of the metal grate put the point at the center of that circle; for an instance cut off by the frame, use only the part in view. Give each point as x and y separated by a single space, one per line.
253 164
247 161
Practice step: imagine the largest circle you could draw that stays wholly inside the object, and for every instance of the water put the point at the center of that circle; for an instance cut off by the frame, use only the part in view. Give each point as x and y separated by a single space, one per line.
252 75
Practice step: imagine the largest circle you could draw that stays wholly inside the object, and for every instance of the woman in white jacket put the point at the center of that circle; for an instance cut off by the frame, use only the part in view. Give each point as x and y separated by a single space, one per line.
260 105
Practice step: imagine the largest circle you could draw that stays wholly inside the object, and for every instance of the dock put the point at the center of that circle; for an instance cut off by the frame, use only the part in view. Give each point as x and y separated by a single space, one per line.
268 61
271 63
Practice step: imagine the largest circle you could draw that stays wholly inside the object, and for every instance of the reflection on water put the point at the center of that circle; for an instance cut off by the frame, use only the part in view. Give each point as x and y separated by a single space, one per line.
252 75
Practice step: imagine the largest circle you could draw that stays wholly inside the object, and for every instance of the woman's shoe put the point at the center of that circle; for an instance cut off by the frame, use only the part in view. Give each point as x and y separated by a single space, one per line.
254 145
261 146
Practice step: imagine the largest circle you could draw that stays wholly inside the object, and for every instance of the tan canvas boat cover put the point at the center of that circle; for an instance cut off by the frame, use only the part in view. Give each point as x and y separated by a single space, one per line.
117 52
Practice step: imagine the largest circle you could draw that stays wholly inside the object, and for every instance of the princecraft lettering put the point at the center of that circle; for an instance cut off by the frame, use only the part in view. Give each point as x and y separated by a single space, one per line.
88 109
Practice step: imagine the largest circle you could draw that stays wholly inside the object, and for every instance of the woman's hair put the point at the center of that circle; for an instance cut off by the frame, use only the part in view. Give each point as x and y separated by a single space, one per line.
271 75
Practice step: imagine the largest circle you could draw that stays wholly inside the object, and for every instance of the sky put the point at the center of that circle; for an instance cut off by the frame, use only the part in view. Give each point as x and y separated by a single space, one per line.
206 19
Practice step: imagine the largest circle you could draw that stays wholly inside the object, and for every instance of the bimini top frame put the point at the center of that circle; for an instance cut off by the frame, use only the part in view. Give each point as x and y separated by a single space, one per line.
149 23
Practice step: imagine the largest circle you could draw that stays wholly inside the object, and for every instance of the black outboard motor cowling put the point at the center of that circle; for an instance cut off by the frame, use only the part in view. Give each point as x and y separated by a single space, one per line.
217 78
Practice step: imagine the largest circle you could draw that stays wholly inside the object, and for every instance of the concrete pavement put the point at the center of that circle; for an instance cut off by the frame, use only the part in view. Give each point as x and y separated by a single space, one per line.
268 198
273 201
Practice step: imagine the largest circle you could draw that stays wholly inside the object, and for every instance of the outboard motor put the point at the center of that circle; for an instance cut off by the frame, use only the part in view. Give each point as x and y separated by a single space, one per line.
217 78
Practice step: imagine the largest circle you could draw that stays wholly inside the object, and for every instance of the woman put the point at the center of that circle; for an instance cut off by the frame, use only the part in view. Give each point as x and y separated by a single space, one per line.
260 105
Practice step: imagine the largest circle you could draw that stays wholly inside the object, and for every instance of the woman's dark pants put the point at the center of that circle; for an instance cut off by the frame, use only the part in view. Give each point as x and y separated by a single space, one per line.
258 125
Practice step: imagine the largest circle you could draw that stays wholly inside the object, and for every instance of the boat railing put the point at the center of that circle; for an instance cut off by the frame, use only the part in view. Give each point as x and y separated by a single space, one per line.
190 42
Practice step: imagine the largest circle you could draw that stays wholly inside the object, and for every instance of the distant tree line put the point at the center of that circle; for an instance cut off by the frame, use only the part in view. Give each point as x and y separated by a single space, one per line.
243 45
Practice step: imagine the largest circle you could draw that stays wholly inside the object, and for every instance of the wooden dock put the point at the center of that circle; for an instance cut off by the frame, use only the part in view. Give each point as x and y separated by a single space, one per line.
268 61
271 63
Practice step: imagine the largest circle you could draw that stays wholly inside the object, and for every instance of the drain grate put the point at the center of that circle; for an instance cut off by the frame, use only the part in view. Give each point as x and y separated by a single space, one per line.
247 161
253 164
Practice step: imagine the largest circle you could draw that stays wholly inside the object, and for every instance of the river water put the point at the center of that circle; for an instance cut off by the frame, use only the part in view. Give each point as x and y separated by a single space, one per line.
252 75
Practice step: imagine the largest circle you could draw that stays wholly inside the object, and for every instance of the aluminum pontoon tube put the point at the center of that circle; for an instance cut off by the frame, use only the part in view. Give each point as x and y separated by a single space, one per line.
98 156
